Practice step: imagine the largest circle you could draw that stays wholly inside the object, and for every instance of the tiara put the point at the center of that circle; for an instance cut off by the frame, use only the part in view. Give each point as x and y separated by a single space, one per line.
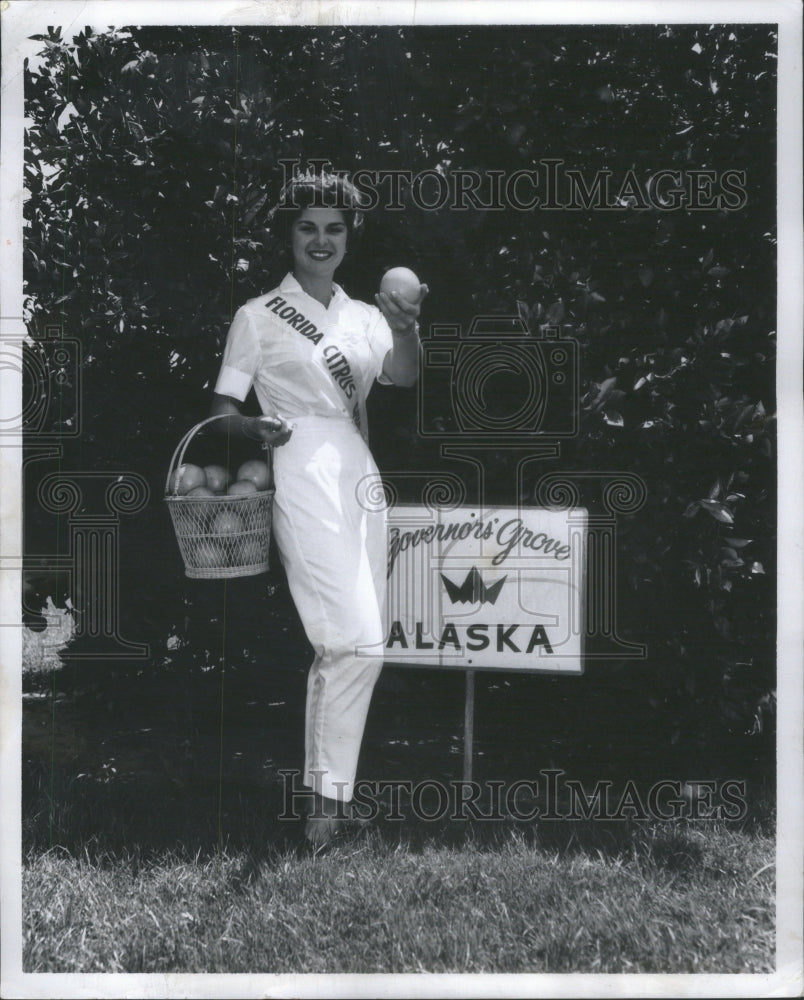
309 176
302 178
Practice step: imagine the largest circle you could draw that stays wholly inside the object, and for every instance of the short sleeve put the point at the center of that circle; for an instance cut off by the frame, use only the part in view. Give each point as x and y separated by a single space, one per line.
381 340
241 358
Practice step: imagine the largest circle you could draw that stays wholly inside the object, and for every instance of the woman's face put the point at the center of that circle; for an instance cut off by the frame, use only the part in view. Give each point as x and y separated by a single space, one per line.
318 241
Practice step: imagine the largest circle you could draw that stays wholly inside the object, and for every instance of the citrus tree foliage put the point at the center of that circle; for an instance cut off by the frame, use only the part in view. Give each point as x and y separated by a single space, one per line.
153 154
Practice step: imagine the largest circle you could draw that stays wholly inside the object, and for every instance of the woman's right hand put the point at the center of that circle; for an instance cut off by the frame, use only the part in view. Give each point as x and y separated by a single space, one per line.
272 430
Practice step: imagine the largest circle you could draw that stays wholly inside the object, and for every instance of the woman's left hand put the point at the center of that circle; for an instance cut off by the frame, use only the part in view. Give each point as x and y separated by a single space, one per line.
400 312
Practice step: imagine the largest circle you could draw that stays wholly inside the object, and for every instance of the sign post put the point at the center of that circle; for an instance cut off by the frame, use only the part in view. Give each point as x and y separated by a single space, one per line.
468 725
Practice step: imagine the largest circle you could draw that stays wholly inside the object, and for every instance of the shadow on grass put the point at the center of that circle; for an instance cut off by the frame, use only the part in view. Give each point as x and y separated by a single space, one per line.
140 821
183 768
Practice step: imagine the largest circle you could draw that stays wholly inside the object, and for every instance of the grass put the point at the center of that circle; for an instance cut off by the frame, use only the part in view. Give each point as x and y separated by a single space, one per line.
680 901
151 845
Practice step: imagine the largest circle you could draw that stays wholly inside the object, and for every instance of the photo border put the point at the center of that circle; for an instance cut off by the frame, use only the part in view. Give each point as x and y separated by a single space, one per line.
21 18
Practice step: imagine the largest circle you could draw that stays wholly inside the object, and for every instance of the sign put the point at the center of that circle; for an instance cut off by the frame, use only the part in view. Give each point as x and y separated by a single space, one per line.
498 589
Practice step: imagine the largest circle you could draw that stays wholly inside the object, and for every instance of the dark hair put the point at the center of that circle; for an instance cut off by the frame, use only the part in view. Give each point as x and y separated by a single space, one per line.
321 190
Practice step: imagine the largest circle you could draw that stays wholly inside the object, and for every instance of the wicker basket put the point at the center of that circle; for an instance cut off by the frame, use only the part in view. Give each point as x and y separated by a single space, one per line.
219 536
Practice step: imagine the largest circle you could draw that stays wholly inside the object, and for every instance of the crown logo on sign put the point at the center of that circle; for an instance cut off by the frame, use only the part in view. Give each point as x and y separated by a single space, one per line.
473 589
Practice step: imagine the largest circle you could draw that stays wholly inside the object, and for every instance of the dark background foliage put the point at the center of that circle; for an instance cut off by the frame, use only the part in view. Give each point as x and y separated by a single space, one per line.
151 159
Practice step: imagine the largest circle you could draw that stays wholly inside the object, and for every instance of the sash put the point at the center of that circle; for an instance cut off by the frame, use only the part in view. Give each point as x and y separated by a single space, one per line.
328 356
331 358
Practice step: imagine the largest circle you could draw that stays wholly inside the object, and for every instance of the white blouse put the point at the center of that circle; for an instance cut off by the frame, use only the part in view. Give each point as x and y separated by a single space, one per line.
304 358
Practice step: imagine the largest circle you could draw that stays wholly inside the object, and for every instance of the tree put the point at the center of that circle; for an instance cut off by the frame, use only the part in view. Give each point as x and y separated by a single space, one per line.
153 155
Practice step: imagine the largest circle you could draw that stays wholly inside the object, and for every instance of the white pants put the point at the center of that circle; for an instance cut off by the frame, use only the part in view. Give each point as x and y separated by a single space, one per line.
329 524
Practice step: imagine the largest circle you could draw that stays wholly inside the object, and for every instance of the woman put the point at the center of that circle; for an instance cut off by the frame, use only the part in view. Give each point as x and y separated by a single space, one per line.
312 354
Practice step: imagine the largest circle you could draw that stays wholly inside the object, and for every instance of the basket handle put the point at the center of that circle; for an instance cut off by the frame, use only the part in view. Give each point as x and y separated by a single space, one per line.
183 444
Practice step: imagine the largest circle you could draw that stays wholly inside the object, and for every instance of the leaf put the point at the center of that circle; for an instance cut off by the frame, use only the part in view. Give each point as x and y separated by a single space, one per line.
606 386
745 413
718 511
757 567
692 509
258 204
555 313
614 418
738 543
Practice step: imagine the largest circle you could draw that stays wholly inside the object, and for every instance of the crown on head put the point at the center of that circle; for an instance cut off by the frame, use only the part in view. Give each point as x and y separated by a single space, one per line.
321 180
310 176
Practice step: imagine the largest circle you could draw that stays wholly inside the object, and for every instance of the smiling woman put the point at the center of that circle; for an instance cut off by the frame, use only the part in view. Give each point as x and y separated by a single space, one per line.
312 354
318 244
